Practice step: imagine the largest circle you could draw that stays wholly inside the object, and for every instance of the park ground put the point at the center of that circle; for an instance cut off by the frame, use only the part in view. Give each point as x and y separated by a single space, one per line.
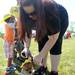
67 63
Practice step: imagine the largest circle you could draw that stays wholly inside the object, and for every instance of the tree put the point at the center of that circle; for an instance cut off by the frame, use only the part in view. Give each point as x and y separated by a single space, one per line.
14 11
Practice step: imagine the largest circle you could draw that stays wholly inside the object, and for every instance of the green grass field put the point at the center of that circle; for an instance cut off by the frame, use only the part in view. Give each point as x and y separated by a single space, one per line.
67 63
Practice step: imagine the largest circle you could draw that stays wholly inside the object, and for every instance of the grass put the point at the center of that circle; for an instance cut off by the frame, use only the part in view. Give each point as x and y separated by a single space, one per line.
67 63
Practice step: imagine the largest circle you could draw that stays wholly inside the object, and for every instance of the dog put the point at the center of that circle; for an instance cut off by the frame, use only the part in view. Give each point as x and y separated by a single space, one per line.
30 68
23 60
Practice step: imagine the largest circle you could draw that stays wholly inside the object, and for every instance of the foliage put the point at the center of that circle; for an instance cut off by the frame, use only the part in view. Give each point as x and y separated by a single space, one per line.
14 11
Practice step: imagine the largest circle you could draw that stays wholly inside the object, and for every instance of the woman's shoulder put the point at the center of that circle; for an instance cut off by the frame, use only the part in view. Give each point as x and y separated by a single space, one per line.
51 7
61 8
50 4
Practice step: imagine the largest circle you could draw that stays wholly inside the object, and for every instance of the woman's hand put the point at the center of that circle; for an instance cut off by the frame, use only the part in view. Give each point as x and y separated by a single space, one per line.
38 59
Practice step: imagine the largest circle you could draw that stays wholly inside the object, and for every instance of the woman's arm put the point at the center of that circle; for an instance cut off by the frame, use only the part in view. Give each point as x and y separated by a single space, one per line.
49 44
26 50
27 42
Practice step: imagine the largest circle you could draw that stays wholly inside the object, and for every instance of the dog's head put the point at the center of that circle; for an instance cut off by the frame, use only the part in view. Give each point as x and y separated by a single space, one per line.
27 65
29 68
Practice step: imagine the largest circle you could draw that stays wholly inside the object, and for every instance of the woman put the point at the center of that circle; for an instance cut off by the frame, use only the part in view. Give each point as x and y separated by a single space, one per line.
50 21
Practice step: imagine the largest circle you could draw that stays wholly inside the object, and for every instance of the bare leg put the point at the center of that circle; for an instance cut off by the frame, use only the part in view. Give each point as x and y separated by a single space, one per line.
55 62
9 62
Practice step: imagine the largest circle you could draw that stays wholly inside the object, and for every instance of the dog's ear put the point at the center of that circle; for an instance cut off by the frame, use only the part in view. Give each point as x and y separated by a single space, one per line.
29 60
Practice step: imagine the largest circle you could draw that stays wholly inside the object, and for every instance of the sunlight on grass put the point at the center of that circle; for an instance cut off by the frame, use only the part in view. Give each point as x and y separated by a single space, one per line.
67 63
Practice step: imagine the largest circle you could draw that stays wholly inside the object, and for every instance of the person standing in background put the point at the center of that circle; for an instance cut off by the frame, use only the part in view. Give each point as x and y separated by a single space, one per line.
9 39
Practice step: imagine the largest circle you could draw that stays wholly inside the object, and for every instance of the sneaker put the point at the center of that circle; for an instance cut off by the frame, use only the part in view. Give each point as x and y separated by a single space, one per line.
53 73
10 70
47 71
42 71
17 67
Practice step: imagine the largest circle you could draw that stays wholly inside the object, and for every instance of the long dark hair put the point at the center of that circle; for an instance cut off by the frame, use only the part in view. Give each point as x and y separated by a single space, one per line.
41 28
25 24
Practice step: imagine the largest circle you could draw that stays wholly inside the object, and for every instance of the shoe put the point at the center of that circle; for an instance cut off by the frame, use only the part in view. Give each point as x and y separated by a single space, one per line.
47 71
16 67
10 70
53 73
41 71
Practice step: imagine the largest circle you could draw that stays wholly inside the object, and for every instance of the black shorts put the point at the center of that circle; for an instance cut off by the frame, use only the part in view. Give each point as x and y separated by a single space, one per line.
56 49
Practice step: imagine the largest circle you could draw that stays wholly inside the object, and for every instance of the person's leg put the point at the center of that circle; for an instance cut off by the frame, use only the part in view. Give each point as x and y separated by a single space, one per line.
55 55
9 55
55 59
9 62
